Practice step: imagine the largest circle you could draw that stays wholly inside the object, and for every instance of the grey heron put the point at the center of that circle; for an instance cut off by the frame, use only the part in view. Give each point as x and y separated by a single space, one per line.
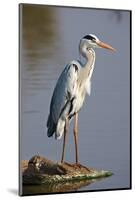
70 91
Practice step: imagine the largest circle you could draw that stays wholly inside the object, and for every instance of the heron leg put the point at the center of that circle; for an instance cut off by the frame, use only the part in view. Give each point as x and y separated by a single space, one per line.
75 130
65 137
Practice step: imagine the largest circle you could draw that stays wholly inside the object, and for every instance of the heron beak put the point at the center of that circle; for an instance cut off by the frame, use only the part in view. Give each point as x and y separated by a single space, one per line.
104 45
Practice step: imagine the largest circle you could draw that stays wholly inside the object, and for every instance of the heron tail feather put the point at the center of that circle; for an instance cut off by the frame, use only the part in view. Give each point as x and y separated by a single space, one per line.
60 128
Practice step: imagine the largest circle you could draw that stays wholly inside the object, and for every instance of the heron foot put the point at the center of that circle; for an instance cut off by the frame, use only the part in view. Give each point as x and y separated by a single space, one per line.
66 163
81 166
76 165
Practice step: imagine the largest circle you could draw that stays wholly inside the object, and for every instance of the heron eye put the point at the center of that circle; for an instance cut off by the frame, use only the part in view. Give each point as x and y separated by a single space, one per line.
93 40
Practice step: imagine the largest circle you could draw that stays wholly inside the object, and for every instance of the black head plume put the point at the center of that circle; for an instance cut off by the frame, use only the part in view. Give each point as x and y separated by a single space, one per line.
89 37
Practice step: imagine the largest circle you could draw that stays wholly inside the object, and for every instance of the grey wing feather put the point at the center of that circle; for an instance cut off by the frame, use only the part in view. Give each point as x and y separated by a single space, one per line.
64 91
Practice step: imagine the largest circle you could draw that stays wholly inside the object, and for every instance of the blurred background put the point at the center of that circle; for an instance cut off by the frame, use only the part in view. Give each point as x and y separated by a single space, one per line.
49 39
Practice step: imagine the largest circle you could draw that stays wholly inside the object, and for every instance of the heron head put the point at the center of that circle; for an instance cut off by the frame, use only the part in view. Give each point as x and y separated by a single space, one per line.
92 41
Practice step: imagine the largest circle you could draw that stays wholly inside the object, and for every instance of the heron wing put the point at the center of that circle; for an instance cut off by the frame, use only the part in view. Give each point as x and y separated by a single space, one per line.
64 92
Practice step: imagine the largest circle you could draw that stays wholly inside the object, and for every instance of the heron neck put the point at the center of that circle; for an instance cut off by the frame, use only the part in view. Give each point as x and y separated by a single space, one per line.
90 59
88 67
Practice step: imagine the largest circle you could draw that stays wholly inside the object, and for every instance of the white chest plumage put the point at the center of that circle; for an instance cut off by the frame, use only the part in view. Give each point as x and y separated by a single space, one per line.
83 87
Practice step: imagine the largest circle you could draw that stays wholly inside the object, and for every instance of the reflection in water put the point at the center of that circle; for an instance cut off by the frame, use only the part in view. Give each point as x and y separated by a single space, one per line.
39 29
56 188
40 32
117 15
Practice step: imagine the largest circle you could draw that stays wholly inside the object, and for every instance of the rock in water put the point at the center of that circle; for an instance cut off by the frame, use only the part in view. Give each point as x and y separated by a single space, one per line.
39 170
